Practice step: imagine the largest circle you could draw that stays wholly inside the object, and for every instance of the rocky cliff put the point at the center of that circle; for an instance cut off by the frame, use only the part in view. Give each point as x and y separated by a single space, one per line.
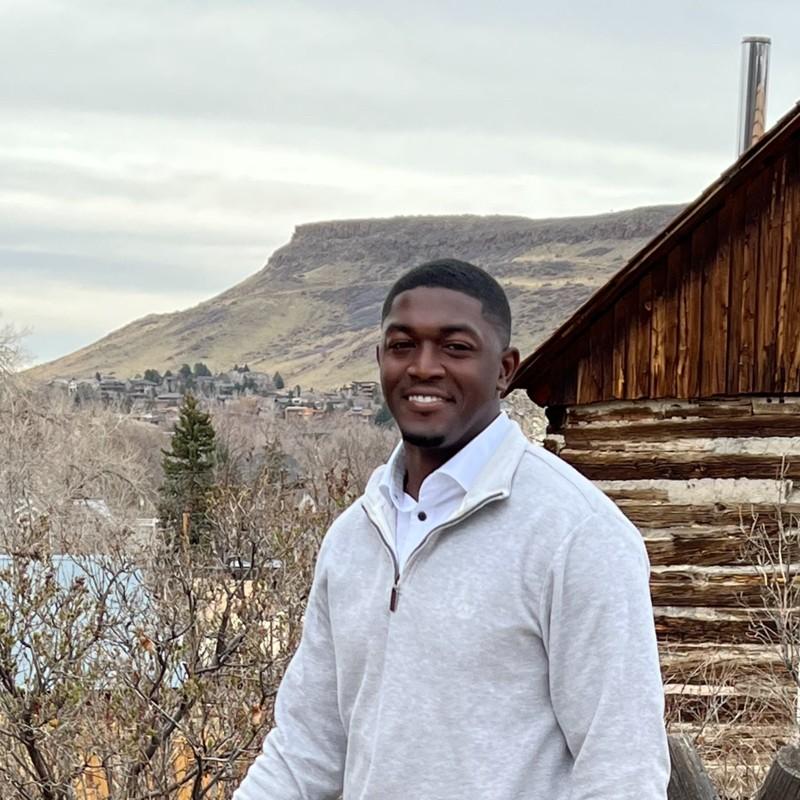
312 311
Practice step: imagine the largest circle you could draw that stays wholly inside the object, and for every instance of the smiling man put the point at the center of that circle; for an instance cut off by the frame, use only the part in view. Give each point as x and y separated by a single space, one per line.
480 622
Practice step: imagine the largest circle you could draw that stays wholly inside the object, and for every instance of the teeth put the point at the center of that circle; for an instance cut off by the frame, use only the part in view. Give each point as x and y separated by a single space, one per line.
424 398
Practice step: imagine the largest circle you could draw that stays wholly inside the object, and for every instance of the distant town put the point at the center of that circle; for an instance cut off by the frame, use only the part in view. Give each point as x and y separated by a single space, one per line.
154 397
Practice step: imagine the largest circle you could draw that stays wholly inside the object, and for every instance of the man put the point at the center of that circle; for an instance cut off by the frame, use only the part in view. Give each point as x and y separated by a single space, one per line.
480 622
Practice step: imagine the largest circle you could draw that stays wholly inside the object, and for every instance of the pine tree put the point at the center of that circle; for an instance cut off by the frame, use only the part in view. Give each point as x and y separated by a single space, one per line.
188 472
277 381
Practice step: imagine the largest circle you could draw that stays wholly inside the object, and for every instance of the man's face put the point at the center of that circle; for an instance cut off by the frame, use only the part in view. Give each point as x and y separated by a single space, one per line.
442 367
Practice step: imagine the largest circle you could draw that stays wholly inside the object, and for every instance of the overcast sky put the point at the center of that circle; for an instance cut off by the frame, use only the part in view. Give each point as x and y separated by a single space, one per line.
153 154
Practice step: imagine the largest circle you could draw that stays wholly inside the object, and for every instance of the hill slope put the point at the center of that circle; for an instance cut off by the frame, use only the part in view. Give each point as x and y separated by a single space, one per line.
312 311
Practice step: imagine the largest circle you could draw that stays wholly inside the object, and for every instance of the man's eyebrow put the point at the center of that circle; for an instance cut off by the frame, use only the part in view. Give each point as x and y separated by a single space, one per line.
463 328
396 327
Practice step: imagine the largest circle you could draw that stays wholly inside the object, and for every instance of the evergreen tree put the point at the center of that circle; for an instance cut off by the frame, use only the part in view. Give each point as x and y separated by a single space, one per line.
277 381
201 370
185 371
188 471
152 375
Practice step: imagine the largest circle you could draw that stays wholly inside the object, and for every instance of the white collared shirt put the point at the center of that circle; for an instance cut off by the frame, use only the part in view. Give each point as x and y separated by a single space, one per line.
441 492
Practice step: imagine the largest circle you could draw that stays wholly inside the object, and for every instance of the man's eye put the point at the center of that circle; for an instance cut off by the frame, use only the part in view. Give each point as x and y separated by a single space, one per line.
402 345
458 347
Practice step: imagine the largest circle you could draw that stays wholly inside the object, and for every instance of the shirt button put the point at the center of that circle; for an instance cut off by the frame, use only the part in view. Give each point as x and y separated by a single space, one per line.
422 516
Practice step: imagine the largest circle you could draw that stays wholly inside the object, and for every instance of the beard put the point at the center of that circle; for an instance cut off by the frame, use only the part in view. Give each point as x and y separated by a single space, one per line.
422 441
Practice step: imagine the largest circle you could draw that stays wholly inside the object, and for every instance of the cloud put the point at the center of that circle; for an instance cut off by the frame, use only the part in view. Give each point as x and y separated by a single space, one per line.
159 152
59 316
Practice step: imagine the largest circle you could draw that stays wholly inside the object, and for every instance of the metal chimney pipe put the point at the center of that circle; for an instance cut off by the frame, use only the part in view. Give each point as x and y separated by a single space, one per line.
753 90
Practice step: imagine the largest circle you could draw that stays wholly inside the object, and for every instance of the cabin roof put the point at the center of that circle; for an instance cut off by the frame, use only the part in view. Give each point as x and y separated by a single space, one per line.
555 354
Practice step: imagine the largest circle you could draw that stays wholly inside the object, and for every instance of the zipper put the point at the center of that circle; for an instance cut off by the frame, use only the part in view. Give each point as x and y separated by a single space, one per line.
394 596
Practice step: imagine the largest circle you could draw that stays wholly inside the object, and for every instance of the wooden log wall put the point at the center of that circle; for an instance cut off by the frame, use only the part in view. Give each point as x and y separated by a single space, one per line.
716 314
693 476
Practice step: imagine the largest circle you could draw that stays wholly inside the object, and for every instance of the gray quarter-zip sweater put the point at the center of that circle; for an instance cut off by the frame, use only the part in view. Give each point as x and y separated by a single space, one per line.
513 659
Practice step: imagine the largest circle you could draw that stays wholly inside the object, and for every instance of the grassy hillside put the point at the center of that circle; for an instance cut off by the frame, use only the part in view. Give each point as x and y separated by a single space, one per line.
312 311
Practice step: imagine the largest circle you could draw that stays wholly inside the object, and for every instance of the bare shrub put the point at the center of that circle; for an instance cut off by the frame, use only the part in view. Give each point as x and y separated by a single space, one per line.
126 663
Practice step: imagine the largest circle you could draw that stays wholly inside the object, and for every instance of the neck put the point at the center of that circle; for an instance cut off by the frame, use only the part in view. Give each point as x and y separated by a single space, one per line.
422 461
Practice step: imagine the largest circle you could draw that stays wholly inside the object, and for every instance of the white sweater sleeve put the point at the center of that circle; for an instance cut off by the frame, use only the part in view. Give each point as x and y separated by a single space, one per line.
303 755
605 681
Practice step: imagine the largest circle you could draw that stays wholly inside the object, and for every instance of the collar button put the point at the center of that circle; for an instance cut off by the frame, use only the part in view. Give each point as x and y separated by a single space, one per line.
422 516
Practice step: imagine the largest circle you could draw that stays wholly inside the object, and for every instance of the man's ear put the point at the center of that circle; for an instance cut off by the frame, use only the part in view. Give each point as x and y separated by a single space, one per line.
509 362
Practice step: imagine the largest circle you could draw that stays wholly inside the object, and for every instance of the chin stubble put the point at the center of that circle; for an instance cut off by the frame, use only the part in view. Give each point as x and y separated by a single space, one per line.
420 440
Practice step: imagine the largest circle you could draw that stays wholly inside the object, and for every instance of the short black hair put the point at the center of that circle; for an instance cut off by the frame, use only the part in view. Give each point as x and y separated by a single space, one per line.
460 276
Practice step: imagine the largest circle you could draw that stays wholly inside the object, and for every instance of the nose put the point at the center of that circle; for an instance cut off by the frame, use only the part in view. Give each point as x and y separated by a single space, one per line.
426 363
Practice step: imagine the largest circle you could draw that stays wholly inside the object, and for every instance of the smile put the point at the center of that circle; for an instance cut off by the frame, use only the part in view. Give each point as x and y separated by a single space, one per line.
426 399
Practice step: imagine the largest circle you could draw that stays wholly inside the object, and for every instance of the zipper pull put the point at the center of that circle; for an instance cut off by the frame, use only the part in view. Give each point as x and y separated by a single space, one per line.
394 598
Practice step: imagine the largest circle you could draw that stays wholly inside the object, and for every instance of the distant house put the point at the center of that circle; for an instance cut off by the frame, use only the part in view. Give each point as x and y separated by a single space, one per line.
168 400
112 389
366 388
300 412
142 386
82 387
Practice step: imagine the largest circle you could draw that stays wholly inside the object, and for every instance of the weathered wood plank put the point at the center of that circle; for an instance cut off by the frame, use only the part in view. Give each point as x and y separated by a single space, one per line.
639 369
727 703
590 385
619 465
689 323
715 309
776 405
688 778
658 331
625 411
789 319
769 280
703 248
622 309
659 515
790 187
674 277
740 665
694 625
778 425
585 392
709 586
705 545
737 225
568 389
755 209
636 493
604 352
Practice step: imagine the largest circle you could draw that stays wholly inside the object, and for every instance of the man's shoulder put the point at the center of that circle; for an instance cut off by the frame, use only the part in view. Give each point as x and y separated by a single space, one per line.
353 514
544 472
543 479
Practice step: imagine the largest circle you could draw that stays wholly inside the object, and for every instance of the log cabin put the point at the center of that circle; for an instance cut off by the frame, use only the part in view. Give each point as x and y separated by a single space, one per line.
676 388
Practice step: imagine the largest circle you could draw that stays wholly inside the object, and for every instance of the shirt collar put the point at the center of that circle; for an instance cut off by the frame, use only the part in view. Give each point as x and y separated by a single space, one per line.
464 467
